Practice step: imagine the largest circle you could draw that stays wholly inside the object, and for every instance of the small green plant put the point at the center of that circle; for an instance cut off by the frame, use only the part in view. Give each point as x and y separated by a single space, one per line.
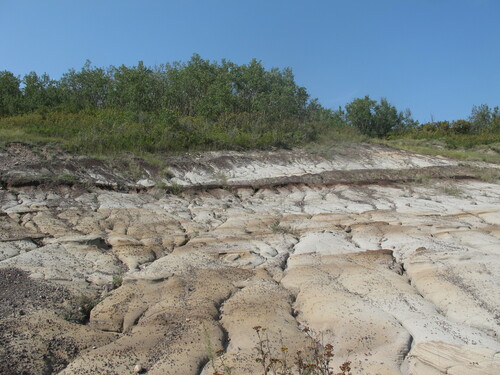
421 179
166 173
276 227
452 190
117 281
175 188
80 308
135 169
161 185
487 174
223 180
67 178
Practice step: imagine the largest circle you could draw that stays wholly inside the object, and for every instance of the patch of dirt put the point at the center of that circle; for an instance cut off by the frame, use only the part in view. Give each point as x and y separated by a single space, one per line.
20 294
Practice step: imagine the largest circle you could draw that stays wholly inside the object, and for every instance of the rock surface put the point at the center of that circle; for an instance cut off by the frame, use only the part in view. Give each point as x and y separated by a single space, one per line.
400 277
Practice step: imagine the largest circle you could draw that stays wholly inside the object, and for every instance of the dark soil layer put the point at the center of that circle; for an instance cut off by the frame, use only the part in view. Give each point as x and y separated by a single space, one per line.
20 294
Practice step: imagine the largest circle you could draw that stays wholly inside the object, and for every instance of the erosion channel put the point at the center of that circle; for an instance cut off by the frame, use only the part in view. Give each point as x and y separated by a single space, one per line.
391 257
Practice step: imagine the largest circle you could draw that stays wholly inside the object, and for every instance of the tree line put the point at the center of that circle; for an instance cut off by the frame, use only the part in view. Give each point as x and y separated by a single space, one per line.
196 88
200 104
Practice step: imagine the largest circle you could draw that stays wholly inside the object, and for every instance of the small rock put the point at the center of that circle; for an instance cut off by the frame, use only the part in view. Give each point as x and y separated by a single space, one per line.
138 369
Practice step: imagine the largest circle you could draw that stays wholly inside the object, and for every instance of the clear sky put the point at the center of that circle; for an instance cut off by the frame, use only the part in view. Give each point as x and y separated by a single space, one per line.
436 57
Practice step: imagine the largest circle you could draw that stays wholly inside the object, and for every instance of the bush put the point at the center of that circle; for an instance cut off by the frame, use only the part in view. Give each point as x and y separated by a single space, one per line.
80 308
275 359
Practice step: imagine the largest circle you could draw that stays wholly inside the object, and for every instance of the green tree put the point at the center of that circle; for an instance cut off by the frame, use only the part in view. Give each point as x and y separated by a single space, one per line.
39 92
10 94
483 117
386 119
137 88
372 118
360 113
87 89
461 126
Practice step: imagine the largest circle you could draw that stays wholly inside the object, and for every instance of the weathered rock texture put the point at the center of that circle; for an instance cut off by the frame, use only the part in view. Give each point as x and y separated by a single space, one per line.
400 277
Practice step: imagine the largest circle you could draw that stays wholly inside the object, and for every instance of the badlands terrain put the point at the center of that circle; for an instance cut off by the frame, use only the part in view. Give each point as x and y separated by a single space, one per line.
132 267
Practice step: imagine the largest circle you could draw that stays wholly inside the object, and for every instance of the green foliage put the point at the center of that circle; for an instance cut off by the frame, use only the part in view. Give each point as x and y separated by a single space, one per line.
198 105
10 94
175 189
67 178
117 280
202 105
376 119
39 93
80 308
276 227
484 118
467 147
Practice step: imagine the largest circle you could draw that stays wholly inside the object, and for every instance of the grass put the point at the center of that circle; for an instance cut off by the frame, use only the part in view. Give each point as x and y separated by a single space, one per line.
451 190
335 140
175 189
458 147
112 131
80 308
117 280
276 227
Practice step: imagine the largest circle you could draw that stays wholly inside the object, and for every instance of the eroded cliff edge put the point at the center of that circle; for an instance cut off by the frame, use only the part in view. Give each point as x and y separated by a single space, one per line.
393 257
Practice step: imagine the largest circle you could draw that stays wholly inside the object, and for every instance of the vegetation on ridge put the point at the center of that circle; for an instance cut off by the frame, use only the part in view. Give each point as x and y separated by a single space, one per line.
203 105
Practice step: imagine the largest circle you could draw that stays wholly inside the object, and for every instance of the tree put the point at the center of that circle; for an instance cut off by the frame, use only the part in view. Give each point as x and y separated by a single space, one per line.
39 92
386 118
372 118
483 117
10 94
87 89
406 122
137 88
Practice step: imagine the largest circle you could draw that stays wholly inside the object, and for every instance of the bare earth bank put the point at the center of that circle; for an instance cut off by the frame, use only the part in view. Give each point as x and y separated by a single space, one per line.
391 257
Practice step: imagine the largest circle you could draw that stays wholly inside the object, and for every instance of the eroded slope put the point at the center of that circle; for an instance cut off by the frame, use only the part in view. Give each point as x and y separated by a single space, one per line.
399 277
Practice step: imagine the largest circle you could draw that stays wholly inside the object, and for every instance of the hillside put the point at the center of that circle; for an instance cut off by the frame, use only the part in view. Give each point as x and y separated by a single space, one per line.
116 266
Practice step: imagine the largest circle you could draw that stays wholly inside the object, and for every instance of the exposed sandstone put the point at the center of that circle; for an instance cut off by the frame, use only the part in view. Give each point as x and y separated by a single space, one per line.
401 278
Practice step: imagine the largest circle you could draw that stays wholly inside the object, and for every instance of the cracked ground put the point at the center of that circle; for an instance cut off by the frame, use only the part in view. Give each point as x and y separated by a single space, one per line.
401 278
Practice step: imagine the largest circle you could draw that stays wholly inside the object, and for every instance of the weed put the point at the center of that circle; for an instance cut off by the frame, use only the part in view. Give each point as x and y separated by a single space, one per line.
175 188
135 169
452 190
117 280
80 308
315 359
161 185
66 177
223 180
486 174
421 179
276 227
166 173
461 147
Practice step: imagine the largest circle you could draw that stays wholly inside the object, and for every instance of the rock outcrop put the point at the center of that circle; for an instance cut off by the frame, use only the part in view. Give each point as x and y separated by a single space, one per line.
400 277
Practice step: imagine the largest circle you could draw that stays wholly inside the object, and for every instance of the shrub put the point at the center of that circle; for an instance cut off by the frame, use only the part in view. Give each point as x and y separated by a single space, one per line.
316 359
80 308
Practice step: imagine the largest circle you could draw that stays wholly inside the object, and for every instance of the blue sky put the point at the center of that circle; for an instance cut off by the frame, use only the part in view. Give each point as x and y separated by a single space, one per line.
436 57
